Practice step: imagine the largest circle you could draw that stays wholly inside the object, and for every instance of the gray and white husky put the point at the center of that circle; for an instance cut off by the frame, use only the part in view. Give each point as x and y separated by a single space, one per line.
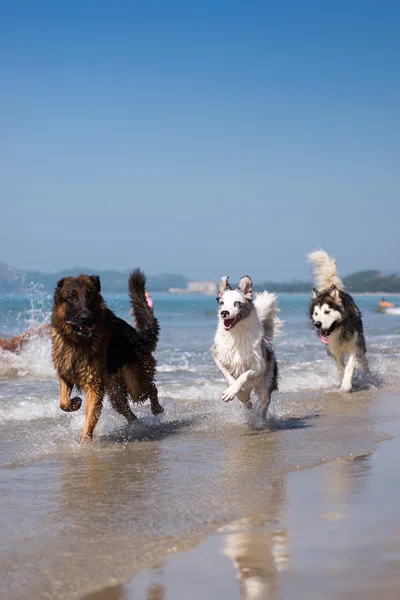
337 319
243 349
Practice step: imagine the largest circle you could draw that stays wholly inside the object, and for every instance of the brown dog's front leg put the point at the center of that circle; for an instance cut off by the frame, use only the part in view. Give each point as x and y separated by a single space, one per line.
66 402
156 407
94 404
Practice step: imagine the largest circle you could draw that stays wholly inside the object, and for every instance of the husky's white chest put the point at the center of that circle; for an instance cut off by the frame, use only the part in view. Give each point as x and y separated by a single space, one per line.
338 347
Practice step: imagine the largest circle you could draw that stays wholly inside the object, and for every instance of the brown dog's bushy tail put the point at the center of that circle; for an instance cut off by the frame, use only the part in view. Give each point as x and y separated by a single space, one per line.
146 322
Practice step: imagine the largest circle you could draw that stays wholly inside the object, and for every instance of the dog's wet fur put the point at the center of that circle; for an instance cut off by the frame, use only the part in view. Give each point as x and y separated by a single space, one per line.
243 348
337 320
98 353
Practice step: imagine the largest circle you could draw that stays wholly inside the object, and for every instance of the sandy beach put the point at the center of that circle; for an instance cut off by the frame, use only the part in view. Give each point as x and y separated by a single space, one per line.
233 511
327 532
205 499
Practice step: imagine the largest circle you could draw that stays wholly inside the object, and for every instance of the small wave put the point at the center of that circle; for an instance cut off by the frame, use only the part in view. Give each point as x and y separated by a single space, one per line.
165 368
34 360
28 409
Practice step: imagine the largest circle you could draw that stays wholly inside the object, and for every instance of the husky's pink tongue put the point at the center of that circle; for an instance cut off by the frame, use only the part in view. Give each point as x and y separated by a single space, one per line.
324 339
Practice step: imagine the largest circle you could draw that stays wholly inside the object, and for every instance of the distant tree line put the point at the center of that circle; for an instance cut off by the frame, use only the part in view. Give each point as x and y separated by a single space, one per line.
17 281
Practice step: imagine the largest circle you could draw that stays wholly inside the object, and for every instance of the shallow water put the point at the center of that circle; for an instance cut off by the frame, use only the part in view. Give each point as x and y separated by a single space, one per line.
78 519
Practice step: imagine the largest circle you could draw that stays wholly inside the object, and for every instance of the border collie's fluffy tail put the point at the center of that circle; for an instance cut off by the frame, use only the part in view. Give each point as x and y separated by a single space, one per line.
146 322
267 311
325 271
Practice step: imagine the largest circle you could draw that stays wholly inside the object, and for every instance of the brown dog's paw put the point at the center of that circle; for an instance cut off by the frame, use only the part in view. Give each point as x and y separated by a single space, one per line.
73 404
85 440
157 410
76 403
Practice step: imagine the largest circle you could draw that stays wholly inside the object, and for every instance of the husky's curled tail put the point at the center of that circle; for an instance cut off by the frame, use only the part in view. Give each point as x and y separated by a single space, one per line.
146 323
325 271
267 311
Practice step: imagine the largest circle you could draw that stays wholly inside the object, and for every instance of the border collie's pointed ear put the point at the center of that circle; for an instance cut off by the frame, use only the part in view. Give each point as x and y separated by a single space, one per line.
246 287
334 294
60 283
314 293
223 286
96 281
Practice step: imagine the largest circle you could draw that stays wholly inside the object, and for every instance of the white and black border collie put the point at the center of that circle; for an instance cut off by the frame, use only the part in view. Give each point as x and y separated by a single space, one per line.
243 349
337 319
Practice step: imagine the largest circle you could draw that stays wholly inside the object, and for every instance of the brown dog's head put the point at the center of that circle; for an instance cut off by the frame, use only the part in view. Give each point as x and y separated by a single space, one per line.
77 304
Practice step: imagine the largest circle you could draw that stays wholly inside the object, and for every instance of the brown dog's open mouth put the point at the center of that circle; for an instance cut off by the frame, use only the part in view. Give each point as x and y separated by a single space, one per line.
82 330
230 323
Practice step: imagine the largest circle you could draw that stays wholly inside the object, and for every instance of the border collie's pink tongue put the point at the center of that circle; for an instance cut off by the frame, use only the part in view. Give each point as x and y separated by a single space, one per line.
324 339
229 323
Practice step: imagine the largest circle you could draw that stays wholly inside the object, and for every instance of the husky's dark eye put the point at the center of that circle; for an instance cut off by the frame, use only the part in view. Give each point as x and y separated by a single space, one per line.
238 304
326 312
221 302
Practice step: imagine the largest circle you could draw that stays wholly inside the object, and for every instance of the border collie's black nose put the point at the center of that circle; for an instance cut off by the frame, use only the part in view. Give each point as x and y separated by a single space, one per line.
318 324
224 314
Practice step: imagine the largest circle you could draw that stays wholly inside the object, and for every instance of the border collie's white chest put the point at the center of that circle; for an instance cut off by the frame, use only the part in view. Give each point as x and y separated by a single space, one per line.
237 353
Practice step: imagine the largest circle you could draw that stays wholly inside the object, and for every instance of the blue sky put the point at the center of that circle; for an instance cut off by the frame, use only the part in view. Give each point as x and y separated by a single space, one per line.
205 138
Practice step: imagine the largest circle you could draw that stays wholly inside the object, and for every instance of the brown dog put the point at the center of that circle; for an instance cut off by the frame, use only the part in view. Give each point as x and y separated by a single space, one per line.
16 343
99 353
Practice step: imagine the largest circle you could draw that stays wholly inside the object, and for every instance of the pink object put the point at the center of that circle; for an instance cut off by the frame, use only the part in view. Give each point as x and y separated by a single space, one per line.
150 301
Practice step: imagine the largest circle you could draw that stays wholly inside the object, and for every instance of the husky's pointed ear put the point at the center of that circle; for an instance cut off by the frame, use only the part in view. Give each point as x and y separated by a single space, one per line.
334 294
223 286
246 287
96 281
314 293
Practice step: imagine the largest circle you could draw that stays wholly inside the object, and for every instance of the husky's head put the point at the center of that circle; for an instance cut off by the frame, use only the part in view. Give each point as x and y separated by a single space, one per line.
234 305
326 312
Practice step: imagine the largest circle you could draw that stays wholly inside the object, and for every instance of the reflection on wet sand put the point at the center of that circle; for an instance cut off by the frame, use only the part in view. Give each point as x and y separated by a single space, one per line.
342 479
110 593
258 555
156 589
257 545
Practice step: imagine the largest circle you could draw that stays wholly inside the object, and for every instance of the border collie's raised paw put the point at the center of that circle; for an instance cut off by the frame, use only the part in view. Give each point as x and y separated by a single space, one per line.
229 393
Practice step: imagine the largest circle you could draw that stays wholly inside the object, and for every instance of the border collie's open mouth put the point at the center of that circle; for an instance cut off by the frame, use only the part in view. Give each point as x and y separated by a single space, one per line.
82 330
325 333
230 323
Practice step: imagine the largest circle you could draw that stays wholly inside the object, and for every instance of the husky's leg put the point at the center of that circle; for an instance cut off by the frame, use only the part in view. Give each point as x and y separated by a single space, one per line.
348 374
339 360
364 364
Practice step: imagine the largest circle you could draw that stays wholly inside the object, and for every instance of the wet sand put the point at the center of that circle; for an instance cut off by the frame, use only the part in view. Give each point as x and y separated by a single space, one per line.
328 532
212 510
